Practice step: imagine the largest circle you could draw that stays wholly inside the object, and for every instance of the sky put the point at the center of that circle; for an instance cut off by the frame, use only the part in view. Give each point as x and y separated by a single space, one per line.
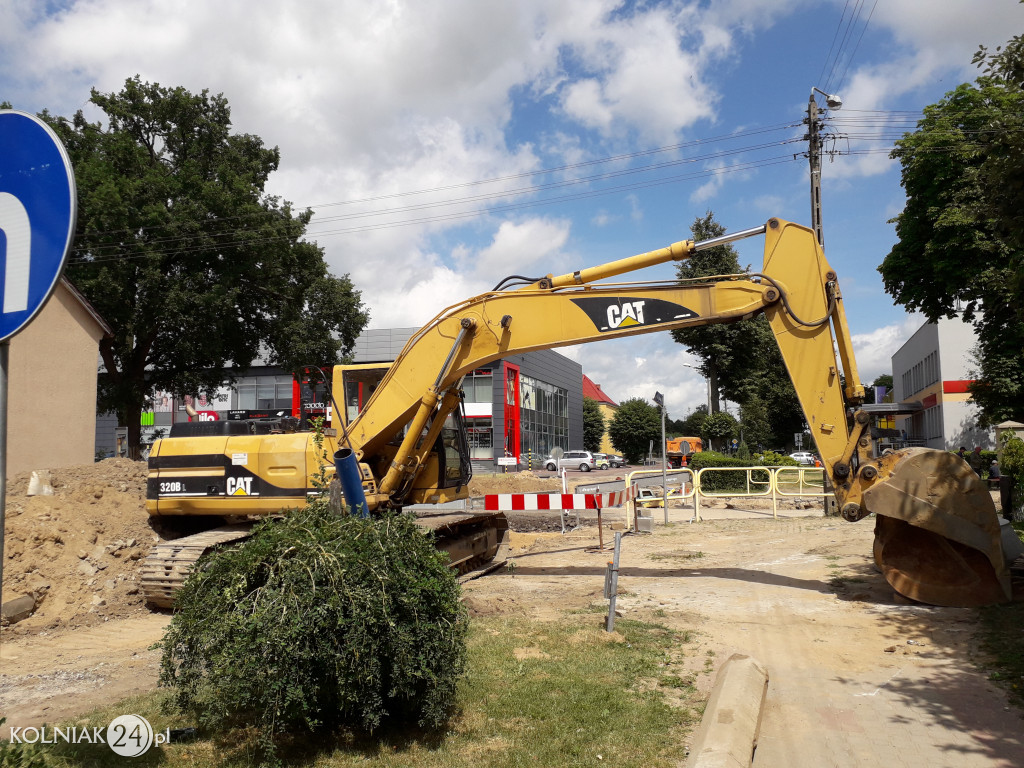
445 144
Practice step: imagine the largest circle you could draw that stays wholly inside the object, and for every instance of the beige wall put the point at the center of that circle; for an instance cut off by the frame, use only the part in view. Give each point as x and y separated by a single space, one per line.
609 413
51 413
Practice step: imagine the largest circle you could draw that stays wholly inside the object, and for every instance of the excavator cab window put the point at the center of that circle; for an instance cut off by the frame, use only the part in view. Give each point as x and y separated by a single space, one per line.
359 383
452 448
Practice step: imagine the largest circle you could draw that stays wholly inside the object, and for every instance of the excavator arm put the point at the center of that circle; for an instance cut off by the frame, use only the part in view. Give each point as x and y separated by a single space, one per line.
796 289
937 532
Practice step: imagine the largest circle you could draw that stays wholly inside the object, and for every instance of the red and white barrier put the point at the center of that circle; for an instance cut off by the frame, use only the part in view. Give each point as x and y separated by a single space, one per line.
531 502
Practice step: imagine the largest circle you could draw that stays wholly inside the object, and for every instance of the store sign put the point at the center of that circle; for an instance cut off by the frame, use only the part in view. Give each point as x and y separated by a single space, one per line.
207 416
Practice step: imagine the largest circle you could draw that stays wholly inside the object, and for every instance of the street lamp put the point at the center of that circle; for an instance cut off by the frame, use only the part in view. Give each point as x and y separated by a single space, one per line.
831 100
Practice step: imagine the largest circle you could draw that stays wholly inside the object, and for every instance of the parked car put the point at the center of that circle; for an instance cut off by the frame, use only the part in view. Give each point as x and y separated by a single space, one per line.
581 460
616 461
602 460
803 457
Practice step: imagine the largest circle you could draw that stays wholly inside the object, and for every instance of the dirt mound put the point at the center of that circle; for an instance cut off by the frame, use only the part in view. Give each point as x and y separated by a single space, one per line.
77 552
513 482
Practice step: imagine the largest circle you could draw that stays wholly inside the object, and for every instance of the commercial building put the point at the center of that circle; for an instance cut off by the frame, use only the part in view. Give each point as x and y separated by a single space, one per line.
933 368
521 406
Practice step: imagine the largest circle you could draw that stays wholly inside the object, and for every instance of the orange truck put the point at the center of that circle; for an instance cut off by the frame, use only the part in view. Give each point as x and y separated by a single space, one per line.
678 450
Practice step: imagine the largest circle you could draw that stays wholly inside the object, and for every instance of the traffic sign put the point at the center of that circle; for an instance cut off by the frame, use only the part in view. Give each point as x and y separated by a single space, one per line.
37 216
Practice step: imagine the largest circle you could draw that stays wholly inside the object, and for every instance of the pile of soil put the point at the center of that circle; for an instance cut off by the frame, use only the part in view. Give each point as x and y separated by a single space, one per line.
77 552
514 482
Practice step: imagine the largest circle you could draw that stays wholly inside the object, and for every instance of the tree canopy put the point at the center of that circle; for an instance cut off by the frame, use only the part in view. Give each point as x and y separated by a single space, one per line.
593 424
635 424
197 270
961 232
741 360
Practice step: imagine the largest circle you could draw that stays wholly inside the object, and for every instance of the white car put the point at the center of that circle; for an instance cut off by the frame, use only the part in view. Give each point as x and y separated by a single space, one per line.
581 460
803 457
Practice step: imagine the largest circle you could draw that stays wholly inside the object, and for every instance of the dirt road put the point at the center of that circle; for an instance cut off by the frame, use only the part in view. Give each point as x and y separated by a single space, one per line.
859 676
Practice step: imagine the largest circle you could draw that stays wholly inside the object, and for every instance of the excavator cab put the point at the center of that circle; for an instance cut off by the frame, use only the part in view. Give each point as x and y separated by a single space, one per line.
447 465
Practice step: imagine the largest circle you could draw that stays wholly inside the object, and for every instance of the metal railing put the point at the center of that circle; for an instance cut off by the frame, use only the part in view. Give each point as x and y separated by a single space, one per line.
756 482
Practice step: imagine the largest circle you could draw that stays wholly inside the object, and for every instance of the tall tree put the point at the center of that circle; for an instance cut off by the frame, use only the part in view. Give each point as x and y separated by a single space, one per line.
634 426
960 233
593 424
184 255
741 360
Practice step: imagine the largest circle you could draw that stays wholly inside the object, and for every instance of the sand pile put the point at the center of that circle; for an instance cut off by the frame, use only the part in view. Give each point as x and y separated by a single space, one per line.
77 553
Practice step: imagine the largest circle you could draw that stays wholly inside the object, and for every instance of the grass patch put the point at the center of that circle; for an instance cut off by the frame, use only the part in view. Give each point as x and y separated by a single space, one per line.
537 693
677 556
1002 637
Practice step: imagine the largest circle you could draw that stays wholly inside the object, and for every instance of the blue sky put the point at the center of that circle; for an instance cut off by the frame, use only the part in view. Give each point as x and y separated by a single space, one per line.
372 101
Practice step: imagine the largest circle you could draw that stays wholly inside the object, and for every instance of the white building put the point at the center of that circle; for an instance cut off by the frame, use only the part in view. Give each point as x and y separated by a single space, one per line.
933 368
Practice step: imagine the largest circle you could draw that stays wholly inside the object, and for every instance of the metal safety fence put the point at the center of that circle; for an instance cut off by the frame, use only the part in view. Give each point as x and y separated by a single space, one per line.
762 482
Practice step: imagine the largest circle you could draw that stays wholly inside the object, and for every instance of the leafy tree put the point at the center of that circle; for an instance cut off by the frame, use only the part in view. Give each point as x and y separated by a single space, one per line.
184 255
961 232
692 425
724 350
633 427
755 423
718 429
740 360
593 425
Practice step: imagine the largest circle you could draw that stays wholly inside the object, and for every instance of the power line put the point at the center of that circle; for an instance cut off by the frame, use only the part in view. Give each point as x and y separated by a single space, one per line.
531 189
842 79
740 167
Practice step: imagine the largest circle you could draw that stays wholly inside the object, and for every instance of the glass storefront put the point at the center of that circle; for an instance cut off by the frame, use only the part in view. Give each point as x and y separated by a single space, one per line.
544 416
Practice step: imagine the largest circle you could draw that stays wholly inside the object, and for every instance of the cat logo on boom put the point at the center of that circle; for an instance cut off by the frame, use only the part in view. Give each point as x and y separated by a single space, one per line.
239 486
621 312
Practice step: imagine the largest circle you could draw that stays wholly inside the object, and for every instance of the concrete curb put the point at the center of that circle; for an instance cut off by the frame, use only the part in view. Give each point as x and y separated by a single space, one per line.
729 729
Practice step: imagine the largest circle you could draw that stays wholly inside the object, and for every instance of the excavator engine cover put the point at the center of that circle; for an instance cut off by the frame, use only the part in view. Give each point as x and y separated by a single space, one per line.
937 537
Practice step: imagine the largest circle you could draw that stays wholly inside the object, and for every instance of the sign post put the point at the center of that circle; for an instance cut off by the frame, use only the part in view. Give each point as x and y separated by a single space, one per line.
38 205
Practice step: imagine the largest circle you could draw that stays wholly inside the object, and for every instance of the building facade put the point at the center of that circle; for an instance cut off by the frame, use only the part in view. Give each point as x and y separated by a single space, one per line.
606 405
932 368
522 406
60 345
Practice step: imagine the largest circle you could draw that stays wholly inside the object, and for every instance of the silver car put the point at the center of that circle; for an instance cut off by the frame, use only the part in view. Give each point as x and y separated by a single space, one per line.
803 457
581 460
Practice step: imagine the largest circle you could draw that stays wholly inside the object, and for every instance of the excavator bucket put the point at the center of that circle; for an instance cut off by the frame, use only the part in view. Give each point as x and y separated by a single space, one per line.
937 536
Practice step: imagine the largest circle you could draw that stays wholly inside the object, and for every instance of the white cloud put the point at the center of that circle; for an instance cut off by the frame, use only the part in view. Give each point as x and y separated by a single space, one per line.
518 247
874 349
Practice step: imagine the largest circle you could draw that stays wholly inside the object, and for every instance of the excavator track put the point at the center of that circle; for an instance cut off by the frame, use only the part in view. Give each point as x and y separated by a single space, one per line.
168 565
477 544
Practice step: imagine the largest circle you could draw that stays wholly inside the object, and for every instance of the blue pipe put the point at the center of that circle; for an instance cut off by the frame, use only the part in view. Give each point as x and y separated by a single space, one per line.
347 468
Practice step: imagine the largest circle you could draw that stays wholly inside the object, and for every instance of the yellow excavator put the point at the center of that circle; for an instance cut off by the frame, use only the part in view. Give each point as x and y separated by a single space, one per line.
399 439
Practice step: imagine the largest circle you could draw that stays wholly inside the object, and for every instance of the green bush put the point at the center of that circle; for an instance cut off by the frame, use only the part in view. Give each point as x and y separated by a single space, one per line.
318 621
720 482
773 459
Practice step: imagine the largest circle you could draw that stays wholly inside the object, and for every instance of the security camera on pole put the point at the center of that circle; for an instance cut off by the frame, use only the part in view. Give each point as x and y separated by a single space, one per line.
38 205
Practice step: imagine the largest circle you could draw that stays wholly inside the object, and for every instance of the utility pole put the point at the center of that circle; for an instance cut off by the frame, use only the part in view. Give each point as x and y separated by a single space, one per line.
814 155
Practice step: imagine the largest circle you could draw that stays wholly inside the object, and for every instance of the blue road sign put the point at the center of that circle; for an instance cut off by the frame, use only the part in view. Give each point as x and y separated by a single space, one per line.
37 217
